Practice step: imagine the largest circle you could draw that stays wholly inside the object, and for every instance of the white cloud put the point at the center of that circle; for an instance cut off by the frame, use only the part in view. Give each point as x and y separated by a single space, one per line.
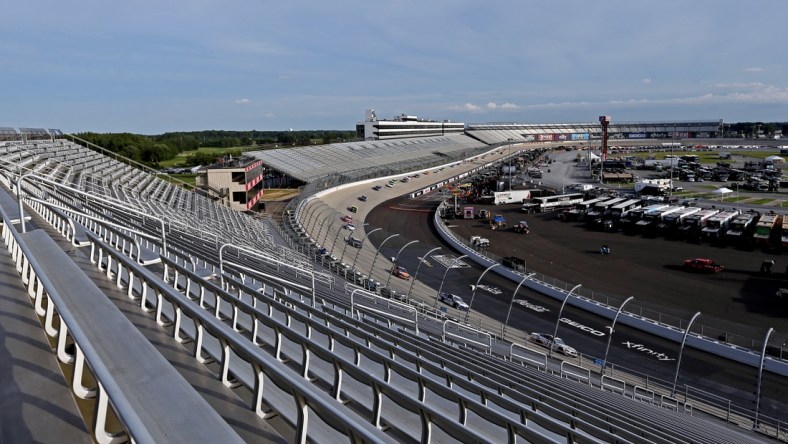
646 81
507 105
750 85
269 115
470 107
490 106
754 69
242 101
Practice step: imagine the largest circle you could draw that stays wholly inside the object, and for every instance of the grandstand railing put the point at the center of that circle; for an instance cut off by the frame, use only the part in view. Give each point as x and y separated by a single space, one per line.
61 323
152 293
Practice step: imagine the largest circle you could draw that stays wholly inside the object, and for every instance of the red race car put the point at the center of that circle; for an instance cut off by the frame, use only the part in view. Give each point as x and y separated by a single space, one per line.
702 265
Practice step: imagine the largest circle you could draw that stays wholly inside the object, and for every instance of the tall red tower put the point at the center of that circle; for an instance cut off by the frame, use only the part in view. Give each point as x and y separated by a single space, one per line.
605 121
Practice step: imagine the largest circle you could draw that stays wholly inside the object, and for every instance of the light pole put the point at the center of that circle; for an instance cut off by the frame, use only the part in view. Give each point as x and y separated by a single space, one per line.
362 246
320 230
378 252
473 294
311 212
333 244
760 375
396 258
418 267
612 329
317 217
511 304
557 321
440 288
510 162
681 352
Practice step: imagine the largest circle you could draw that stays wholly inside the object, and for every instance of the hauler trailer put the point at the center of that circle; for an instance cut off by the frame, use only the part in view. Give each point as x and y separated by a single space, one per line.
636 215
513 196
600 208
671 222
652 218
767 224
695 222
550 203
742 226
621 209
784 235
582 207
717 225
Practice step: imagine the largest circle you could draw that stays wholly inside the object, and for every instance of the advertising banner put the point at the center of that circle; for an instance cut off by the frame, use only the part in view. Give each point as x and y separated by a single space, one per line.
583 136
545 137
636 135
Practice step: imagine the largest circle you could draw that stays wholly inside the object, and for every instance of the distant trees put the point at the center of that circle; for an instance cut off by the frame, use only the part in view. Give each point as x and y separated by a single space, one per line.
153 149
754 129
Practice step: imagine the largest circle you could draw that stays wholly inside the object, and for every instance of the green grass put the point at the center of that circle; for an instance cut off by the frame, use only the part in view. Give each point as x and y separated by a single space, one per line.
189 179
740 198
761 201
179 161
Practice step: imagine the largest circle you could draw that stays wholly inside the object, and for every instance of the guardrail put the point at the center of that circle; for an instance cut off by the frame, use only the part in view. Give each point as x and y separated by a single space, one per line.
61 322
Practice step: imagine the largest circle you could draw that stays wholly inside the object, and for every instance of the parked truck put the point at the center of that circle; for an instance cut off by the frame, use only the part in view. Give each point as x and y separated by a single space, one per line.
479 242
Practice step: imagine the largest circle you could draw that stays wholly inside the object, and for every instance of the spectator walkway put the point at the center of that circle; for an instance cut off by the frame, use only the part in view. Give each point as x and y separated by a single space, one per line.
36 404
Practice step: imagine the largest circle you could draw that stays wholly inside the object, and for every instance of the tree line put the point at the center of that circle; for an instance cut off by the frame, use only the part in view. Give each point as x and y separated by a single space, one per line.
754 129
151 150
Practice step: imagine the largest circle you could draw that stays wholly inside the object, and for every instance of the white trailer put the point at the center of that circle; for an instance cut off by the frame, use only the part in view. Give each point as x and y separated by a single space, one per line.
697 220
717 225
513 196
739 225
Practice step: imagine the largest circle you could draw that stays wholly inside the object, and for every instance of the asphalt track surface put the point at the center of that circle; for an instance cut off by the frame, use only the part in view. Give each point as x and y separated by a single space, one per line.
569 251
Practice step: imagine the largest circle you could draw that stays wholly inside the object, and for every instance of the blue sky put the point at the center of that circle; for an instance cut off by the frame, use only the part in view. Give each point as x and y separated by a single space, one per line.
149 66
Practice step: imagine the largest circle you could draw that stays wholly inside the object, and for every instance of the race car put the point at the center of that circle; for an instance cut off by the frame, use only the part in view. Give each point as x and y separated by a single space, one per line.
702 265
556 344
453 300
400 272
347 218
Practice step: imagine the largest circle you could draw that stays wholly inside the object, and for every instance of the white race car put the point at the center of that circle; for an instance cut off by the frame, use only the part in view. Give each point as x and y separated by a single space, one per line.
557 344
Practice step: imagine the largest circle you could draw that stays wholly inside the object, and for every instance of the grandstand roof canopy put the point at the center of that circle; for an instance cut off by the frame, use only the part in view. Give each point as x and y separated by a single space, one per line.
360 159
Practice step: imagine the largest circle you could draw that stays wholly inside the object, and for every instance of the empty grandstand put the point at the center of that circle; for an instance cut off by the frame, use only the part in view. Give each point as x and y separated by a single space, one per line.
180 320
356 160
493 133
